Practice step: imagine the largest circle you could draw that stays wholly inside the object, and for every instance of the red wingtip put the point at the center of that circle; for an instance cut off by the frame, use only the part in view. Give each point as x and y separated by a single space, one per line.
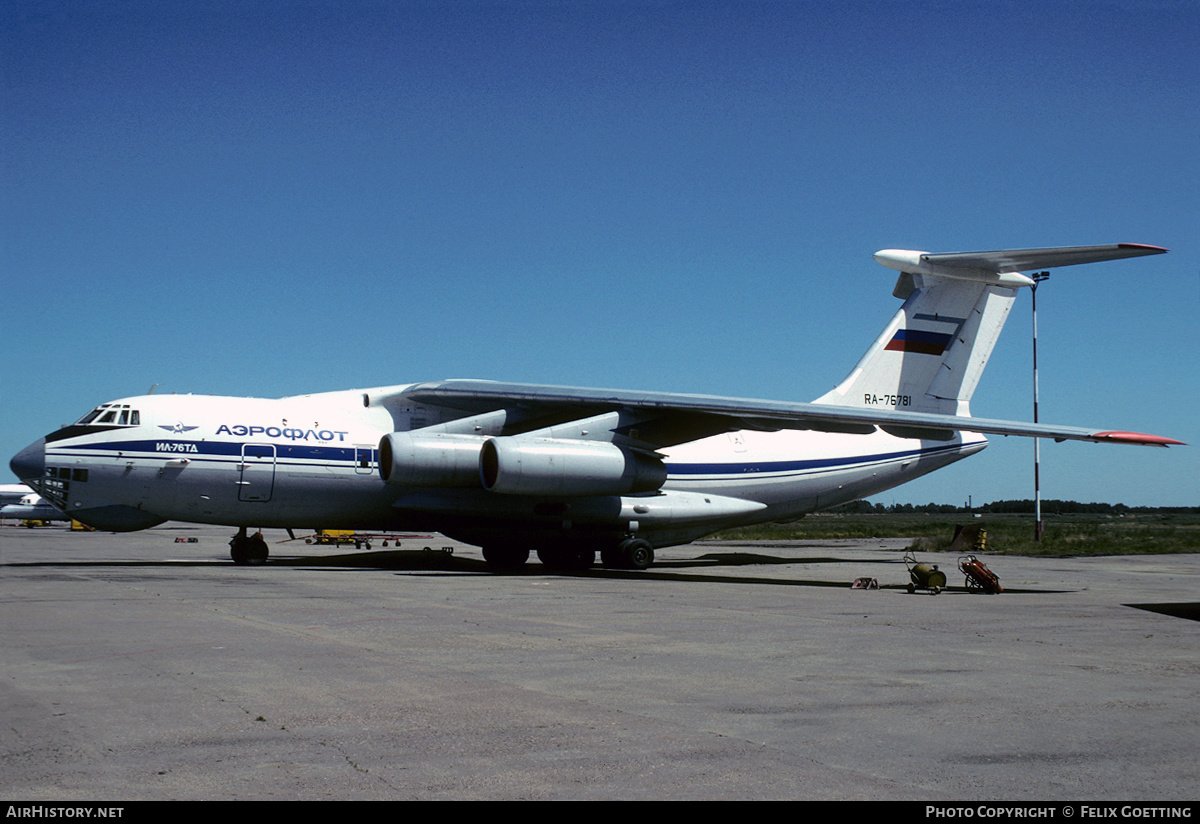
1139 438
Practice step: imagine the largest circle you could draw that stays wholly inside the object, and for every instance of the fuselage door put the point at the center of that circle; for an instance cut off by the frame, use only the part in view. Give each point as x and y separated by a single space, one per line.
364 460
257 479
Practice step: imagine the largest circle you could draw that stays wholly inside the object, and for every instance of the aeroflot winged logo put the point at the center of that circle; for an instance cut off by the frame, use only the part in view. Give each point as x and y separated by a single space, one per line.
178 428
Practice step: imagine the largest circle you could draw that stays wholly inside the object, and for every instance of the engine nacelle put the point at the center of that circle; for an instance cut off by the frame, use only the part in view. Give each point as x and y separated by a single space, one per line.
555 466
407 459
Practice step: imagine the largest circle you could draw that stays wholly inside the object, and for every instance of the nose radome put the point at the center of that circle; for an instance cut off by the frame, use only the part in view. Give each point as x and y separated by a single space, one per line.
30 463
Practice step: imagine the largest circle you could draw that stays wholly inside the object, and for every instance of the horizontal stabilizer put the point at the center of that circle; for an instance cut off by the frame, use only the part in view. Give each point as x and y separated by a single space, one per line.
993 266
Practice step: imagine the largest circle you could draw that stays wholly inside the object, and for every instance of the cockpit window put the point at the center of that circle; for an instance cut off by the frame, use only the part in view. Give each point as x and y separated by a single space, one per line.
110 414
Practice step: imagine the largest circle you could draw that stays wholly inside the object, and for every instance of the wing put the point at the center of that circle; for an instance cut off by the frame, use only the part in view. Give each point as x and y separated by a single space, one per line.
665 419
966 299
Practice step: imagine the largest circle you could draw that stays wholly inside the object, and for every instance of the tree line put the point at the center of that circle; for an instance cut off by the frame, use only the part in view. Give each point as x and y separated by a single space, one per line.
1023 506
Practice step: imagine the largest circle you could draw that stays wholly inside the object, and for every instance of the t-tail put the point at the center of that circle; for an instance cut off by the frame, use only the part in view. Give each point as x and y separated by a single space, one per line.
930 357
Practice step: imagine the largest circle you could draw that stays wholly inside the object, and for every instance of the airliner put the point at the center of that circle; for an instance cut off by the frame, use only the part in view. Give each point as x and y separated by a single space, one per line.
20 502
566 472
13 493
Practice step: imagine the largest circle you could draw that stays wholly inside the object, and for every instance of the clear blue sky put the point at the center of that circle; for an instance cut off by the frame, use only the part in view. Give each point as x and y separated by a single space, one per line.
274 198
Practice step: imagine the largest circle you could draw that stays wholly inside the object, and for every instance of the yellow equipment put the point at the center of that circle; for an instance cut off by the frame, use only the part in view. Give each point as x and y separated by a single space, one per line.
924 576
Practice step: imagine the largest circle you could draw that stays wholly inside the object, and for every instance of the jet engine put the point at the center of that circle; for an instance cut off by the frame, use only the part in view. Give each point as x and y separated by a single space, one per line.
407 459
556 466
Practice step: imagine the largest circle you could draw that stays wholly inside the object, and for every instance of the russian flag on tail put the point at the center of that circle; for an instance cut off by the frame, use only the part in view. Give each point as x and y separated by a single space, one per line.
915 340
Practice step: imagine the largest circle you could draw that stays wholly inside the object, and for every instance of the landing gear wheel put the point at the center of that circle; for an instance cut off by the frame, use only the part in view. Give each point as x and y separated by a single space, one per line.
638 554
247 550
633 553
505 558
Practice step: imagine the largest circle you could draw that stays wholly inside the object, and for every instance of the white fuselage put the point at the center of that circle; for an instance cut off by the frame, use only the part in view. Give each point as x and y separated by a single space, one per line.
312 462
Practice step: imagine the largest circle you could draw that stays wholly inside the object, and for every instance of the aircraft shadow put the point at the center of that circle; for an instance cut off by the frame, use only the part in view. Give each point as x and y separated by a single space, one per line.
428 561
417 561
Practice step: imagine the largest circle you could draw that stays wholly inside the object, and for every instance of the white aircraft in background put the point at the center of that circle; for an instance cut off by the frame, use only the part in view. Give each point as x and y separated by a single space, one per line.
20 502
12 493
565 471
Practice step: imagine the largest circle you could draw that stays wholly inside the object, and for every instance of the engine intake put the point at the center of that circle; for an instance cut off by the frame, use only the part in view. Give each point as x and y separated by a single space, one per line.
443 460
554 466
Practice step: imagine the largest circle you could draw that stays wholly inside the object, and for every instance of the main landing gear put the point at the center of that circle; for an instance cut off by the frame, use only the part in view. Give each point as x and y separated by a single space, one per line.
248 549
631 553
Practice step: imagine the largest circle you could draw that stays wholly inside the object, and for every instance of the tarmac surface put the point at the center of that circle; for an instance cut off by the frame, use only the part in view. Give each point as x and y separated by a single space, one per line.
148 666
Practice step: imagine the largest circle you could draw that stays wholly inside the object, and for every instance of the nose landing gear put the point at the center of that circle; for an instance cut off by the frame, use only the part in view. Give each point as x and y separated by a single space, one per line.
248 549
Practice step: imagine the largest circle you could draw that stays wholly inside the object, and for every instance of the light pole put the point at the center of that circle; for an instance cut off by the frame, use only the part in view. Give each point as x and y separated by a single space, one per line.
1038 526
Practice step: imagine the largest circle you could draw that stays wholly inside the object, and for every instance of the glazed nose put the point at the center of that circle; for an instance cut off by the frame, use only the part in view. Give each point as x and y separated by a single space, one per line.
30 463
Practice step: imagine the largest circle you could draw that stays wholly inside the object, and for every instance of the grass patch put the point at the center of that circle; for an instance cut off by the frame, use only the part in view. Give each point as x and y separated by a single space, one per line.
1064 535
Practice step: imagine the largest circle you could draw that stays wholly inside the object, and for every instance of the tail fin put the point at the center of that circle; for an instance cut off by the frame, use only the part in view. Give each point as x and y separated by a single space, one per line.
931 355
